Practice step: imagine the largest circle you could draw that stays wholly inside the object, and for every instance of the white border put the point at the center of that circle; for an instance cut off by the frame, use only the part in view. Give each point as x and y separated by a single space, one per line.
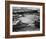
26 32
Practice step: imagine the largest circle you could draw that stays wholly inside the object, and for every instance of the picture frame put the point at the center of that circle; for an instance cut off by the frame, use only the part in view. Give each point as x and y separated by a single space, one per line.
11 6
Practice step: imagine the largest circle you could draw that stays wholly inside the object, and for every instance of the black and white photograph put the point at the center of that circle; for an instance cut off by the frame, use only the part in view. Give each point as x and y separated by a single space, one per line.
26 19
